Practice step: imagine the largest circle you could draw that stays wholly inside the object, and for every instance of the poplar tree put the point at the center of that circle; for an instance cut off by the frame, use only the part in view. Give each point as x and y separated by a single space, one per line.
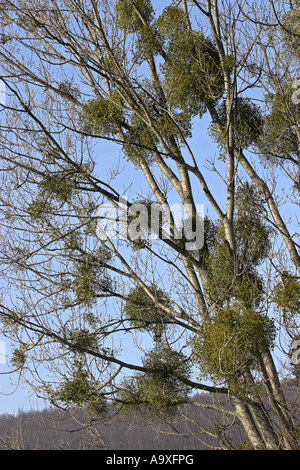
111 104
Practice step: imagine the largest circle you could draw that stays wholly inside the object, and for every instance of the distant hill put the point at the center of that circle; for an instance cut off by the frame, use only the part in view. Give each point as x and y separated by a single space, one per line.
52 429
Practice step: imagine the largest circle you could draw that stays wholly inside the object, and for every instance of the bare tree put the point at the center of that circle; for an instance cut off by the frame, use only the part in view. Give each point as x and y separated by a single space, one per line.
92 86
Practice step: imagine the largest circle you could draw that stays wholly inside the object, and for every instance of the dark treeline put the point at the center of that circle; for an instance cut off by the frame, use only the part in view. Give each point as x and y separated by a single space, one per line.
52 429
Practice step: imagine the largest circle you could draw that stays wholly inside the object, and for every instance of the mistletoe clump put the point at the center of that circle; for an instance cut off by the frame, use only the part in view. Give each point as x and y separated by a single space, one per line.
162 387
192 71
231 345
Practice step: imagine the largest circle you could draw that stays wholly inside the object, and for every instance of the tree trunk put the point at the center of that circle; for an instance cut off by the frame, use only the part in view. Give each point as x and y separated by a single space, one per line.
278 401
265 426
248 423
